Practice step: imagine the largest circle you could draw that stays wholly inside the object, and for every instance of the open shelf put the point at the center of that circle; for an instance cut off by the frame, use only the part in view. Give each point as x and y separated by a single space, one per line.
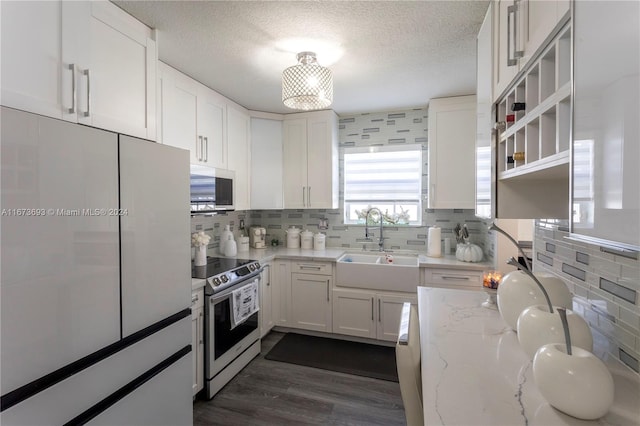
549 168
537 128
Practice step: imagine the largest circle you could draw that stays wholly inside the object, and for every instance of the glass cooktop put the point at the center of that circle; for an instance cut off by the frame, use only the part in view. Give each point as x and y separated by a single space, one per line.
217 265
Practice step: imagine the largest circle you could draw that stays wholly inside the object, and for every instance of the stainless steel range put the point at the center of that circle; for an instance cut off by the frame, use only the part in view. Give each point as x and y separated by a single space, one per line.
231 330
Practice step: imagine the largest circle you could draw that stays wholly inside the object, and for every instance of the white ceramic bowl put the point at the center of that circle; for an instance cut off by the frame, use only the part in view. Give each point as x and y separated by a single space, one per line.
537 327
518 291
579 385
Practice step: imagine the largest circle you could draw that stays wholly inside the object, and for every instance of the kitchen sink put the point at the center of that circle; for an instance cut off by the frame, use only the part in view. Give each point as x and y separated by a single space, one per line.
371 271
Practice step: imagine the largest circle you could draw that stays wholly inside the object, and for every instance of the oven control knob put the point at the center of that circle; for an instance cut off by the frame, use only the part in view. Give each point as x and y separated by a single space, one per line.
216 281
224 278
252 267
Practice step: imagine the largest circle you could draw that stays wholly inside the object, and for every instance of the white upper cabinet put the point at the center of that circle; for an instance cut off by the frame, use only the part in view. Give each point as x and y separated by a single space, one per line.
539 21
212 122
179 109
238 131
506 65
452 136
485 190
606 132
520 29
310 160
85 62
33 78
266 164
192 117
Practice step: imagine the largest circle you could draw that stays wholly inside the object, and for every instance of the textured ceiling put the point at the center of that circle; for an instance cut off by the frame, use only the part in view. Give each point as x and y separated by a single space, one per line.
384 55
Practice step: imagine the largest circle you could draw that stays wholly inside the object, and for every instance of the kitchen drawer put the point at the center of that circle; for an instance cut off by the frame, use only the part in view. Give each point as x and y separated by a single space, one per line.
320 268
452 278
100 382
197 299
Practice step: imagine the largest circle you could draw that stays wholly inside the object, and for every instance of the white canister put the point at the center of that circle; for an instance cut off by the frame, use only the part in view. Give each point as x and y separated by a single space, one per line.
293 237
319 241
243 244
306 240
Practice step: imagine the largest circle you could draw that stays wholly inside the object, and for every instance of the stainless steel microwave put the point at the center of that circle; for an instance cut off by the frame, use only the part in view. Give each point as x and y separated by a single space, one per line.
212 189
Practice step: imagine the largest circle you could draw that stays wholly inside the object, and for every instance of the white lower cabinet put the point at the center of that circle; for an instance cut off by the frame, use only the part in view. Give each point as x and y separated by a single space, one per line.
311 301
266 301
281 292
301 294
368 314
197 339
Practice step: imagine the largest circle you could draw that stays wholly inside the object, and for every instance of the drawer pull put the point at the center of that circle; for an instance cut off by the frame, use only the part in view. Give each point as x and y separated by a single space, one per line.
456 278
315 268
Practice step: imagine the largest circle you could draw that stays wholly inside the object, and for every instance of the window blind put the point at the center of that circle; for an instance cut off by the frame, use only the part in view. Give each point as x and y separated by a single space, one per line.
383 178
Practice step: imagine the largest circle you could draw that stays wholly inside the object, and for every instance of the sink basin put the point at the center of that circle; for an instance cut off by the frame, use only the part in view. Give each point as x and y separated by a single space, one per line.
371 271
360 258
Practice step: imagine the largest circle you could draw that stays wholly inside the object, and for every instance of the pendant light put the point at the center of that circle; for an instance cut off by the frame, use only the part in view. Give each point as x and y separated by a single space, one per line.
307 86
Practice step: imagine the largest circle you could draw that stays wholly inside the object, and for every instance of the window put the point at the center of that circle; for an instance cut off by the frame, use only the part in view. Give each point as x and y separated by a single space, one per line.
389 178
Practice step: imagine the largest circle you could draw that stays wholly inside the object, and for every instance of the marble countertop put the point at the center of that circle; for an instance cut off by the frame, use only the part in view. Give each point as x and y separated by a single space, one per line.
332 254
474 371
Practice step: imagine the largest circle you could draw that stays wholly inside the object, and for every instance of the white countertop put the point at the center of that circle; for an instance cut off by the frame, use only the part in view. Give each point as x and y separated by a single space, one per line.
475 373
332 254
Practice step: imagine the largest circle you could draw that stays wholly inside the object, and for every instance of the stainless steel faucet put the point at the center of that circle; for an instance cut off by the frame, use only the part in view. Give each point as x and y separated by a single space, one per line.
366 227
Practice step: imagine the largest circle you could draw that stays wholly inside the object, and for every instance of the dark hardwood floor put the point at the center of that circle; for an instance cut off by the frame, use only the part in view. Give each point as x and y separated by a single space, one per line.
276 393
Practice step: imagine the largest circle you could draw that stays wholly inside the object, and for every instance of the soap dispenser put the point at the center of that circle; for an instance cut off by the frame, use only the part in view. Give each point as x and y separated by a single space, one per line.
230 246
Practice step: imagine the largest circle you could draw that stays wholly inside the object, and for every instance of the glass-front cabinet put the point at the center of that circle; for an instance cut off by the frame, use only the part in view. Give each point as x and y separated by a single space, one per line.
606 122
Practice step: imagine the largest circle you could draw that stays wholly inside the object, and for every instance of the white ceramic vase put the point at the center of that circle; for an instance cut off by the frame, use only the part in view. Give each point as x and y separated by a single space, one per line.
200 258
538 327
518 291
579 385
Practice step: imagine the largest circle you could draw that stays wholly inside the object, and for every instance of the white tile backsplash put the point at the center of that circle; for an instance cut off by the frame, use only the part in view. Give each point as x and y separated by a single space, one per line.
598 299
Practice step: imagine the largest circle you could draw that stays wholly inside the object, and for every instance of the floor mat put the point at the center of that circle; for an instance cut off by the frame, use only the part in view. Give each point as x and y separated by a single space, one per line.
361 359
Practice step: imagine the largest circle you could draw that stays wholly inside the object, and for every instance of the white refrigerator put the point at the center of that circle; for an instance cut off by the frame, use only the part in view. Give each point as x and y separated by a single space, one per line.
95 277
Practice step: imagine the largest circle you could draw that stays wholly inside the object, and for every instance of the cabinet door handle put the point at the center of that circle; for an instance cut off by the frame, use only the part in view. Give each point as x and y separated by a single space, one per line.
379 312
206 149
372 309
327 290
303 198
72 67
511 12
199 145
432 194
455 278
309 195
194 299
88 112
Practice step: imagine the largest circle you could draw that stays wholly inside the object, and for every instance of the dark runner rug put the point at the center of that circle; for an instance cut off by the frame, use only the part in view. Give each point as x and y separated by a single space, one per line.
361 359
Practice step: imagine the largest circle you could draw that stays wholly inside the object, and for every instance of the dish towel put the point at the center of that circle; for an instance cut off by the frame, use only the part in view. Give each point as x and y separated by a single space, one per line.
244 303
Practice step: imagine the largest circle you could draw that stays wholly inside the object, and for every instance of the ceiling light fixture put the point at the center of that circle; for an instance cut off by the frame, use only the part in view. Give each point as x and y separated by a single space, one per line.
307 86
